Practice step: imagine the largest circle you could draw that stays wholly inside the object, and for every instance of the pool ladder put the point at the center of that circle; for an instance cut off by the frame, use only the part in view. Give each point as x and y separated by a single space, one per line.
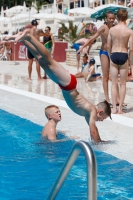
91 171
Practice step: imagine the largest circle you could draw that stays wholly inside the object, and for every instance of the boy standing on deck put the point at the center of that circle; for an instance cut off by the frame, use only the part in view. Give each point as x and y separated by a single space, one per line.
103 31
117 46
67 82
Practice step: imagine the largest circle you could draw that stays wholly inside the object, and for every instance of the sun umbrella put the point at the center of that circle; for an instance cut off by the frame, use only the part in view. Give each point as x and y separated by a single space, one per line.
14 10
43 16
42 24
58 16
61 17
2 12
101 10
4 20
20 17
24 7
82 10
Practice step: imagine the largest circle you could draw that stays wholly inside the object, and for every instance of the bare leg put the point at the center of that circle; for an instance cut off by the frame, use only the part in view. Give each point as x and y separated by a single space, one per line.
132 71
8 56
12 37
30 68
38 70
105 64
79 75
52 68
114 88
123 77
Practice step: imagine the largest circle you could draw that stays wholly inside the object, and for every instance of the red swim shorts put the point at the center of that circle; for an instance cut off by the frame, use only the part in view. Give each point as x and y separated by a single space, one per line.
72 85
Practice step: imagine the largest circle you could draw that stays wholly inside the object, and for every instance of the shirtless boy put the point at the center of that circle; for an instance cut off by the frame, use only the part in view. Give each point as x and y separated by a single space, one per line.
105 62
117 46
53 115
67 82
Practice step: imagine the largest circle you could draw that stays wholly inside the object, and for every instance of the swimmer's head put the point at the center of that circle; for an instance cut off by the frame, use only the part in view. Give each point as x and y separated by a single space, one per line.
109 18
103 110
122 15
52 112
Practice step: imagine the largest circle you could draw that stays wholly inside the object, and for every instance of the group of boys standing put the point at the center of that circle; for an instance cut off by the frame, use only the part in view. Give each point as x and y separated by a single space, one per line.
114 56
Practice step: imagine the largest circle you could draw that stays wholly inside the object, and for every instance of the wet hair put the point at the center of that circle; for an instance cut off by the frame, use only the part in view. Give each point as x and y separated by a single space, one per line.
47 109
122 15
106 107
107 13
48 28
85 56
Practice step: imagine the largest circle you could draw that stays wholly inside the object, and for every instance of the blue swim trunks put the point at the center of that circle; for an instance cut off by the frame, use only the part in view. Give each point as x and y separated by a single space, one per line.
95 75
76 46
104 53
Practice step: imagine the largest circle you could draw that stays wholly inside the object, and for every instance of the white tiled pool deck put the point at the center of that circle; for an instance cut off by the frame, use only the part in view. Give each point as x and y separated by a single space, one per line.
29 98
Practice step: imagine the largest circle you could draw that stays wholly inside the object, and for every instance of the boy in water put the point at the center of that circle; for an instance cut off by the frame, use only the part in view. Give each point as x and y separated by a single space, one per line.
67 82
53 115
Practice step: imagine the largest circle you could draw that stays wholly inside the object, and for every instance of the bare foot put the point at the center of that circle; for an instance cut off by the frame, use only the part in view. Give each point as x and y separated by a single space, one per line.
40 78
114 111
29 79
121 112
45 77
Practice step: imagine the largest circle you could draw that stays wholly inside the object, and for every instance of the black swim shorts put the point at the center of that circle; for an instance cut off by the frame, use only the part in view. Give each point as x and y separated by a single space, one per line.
30 56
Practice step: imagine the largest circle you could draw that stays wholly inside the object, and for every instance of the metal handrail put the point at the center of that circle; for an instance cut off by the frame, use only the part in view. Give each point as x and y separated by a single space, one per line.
91 171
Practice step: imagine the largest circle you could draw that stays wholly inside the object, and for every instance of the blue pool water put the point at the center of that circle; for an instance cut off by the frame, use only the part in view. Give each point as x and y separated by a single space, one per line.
29 166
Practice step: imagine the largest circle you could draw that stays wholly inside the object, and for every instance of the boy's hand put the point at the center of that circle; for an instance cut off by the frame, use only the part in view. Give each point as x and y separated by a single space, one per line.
79 50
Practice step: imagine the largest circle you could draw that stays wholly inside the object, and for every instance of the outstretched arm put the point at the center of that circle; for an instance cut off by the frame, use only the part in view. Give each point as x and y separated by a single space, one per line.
97 34
93 129
91 71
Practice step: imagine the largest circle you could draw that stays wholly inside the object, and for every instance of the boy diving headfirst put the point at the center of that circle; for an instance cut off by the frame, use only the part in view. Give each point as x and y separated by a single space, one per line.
67 82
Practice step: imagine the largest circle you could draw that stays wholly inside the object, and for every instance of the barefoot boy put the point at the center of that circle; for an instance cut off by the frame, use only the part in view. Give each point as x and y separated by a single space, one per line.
117 45
67 82
103 31
53 115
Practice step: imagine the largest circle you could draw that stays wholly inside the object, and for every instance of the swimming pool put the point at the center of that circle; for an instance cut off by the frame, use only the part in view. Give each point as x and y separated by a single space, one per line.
29 166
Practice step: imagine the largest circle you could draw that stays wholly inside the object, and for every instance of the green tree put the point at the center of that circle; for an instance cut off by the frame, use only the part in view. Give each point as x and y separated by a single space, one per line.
11 3
71 33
